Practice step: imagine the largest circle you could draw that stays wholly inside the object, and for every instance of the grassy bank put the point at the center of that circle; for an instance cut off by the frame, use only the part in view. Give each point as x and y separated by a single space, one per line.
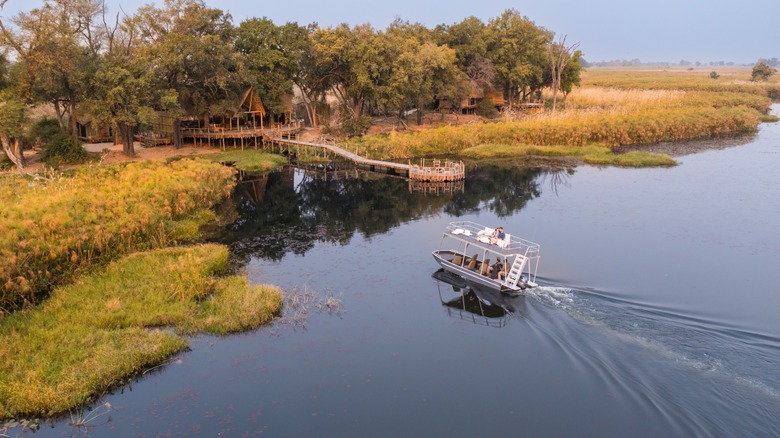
595 154
92 334
249 160
53 230
618 109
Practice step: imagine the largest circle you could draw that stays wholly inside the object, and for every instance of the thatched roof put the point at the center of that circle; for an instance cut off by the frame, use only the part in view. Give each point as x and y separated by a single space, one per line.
251 103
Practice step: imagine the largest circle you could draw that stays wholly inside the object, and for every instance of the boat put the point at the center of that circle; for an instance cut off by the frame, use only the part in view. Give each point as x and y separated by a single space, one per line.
467 249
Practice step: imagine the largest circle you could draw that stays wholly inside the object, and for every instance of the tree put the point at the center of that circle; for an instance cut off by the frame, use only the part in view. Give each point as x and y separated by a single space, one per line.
56 47
122 97
352 61
572 73
189 49
273 55
312 76
469 41
762 71
518 50
559 55
13 114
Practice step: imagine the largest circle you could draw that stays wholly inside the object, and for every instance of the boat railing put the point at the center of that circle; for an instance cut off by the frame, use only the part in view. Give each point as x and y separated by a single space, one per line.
471 231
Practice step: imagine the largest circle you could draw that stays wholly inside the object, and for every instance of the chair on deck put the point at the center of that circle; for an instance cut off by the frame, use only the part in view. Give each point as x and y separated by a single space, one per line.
485 265
457 260
473 263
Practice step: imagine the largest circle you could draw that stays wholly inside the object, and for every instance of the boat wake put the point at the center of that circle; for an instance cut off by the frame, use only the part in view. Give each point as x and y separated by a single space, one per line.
556 296
738 356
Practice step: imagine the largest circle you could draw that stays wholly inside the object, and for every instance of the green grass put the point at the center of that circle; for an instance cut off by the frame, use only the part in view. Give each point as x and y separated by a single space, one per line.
250 160
591 154
91 335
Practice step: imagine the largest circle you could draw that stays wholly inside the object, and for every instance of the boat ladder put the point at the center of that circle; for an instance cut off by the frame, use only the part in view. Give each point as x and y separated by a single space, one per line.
515 272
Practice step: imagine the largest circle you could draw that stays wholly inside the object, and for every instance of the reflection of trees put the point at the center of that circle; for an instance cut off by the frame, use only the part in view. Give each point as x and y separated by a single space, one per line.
502 191
292 209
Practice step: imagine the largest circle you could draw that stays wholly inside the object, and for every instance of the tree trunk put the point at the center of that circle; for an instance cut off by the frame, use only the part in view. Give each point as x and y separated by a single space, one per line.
73 128
13 149
419 115
127 139
60 115
177 141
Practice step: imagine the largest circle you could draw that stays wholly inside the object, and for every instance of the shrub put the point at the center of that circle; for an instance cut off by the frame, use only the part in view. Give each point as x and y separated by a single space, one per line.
762 72
352 126
44 130
63 149
485 108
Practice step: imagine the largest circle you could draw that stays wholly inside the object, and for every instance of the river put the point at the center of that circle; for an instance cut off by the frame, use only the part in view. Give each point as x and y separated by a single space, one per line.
658 312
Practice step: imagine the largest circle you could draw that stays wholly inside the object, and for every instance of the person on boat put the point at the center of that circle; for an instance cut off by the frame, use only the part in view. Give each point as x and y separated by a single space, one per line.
497 270
497 235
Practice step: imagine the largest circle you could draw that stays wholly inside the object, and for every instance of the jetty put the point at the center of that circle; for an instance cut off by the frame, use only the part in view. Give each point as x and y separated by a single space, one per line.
435 170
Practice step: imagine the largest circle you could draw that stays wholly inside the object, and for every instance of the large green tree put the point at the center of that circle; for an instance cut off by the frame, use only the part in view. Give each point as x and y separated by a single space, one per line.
312 77
56 47
352 61
273 56
421 70
518 49
189 49
122 96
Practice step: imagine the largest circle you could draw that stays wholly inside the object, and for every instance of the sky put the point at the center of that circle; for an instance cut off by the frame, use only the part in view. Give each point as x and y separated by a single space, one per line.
740 31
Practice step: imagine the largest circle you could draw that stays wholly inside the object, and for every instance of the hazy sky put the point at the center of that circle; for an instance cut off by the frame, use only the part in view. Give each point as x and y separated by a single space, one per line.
652 30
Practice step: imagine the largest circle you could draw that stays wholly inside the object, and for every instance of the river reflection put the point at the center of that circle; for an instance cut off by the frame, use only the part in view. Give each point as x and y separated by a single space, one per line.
476 303
290 210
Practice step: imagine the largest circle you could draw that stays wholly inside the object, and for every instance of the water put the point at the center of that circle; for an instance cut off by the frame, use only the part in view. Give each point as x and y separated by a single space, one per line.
657 314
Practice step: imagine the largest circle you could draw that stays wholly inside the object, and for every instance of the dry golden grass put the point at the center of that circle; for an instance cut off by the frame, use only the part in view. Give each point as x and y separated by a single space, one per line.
623 100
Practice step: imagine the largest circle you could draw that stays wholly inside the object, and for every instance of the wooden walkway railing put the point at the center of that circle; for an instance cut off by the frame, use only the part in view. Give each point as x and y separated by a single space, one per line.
427 170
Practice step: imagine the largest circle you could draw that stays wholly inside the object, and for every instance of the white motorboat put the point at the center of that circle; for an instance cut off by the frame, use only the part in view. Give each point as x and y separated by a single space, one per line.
467 250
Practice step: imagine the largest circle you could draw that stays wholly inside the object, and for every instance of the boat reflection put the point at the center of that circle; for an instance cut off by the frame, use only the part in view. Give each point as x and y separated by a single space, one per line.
474 302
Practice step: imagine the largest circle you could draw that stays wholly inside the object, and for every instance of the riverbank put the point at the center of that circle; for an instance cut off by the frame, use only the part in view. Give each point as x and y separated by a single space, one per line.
96 333
71 324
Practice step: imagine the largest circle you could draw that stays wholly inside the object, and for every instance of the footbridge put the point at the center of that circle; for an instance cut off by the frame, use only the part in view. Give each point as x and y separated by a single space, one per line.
427 170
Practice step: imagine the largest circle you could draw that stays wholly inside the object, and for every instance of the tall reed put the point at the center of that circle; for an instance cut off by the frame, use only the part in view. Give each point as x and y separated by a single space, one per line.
51 230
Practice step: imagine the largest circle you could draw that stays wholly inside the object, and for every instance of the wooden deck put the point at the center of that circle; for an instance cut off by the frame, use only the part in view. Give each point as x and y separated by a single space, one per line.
427 170
216 135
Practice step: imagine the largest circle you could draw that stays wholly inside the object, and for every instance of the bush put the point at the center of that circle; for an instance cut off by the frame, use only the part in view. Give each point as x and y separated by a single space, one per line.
352 126
62 149
485 108
762 72
44 131
5 163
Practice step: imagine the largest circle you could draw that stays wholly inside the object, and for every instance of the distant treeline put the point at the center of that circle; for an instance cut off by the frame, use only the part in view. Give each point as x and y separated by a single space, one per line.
774 62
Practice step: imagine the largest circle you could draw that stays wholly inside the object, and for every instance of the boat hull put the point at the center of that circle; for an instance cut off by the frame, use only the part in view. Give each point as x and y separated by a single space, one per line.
444 259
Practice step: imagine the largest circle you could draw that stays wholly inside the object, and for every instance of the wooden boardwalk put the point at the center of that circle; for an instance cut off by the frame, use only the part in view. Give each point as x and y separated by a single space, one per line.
240 135
427 170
